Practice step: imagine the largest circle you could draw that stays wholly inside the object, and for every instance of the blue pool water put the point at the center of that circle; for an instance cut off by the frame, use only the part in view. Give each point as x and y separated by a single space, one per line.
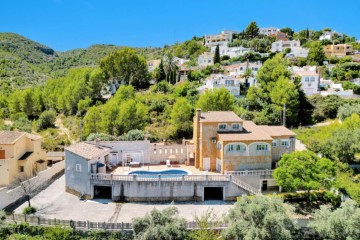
162 172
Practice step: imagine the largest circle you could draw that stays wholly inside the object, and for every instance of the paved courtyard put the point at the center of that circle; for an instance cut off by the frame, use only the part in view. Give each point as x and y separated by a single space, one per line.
54 202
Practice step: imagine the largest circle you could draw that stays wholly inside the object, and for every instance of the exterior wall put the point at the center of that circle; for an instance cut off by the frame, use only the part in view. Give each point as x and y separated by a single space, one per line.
280 46
222 39
206 59
14 151
339 50
78 181
120 150
8 197
166 191
5 166
208 131
160 153
232 52
310 84
249 159
221 81
268 31
278 150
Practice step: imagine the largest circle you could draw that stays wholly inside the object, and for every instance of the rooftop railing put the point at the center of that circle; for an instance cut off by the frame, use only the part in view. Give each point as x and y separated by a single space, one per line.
159 177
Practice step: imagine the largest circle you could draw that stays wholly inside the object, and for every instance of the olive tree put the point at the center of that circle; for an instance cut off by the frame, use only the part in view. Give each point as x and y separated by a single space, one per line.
259 217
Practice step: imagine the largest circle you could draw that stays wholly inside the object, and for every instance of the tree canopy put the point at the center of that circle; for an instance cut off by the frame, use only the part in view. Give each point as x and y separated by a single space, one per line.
162 225
341 224
216 100
125 65
304 170
258 218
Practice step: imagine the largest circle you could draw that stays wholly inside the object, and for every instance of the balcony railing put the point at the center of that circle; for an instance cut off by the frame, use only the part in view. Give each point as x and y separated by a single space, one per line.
159 177
250 173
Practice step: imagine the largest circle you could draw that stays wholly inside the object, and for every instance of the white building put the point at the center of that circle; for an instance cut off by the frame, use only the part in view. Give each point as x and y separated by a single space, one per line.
206 59
330 35
237 70
269 31
293 45
180 61
335 89
232 52
298 52
232 84
222 39
310 80
280 45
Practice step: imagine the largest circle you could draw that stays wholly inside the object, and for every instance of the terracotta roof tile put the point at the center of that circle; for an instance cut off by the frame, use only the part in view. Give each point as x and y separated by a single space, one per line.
220 116
251 132
9 137
277 131
87 150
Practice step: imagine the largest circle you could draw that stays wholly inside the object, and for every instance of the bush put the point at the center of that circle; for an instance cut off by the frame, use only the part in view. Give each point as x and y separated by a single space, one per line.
29 210
46 120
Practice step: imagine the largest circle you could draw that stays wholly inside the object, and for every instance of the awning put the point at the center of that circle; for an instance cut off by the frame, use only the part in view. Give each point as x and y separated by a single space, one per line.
99 164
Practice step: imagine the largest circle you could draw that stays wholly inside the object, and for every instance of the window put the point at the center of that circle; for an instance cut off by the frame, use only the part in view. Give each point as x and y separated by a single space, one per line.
78 167
261 147
240 148
222 126
218 145
230 148
274 144
306 79
285 143
236 126
312 79
21 169
229 82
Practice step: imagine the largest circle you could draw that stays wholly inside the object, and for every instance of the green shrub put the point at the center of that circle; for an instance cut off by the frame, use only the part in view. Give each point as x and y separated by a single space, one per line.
29 210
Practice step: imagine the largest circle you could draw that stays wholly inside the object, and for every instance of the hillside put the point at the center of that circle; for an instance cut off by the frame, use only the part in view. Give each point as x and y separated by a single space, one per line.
25 63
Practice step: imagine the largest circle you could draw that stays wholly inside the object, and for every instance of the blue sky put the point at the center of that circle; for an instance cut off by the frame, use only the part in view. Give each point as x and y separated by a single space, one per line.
69 24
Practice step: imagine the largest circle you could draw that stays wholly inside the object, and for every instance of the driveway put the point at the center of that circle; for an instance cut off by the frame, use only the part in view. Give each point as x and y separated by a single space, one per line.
54 202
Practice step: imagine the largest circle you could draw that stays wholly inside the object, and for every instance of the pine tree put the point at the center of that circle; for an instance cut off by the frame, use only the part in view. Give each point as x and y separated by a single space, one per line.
217 55
162 75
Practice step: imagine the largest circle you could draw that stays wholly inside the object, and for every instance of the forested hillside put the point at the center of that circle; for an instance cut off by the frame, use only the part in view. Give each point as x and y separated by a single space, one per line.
25 63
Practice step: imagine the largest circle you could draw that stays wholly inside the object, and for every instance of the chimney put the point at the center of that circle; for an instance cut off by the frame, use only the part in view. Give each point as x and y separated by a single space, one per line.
97 142
198 114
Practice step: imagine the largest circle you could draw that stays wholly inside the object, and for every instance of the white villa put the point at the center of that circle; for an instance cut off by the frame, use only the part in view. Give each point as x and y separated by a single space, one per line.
294 45
222 39
232 84
237 70
269 31
232 52
206 59
330 35
310 79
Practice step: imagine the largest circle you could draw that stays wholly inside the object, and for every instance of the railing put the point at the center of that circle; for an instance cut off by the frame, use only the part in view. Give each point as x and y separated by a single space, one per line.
159 177
266 172
245 186
125 226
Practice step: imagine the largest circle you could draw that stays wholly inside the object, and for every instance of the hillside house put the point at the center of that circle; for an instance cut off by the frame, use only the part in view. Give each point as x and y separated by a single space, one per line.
225 142
21 156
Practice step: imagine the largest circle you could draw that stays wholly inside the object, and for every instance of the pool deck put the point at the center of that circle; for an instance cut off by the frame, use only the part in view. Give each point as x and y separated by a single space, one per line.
125 170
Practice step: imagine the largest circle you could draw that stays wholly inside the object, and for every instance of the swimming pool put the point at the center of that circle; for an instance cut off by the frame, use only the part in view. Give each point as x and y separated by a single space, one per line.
161 172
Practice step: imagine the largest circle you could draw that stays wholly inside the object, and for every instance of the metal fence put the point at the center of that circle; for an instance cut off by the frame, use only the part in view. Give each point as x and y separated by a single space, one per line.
87 225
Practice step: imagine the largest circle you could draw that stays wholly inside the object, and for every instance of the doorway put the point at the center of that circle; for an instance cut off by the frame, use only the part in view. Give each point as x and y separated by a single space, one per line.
103 192
213 193
264 186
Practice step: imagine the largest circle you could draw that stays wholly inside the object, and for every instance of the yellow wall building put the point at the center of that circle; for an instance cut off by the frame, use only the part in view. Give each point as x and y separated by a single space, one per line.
224 142
339 50
20 156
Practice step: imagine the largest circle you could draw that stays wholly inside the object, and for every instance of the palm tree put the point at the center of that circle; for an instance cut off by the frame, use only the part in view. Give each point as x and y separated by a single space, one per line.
247 74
